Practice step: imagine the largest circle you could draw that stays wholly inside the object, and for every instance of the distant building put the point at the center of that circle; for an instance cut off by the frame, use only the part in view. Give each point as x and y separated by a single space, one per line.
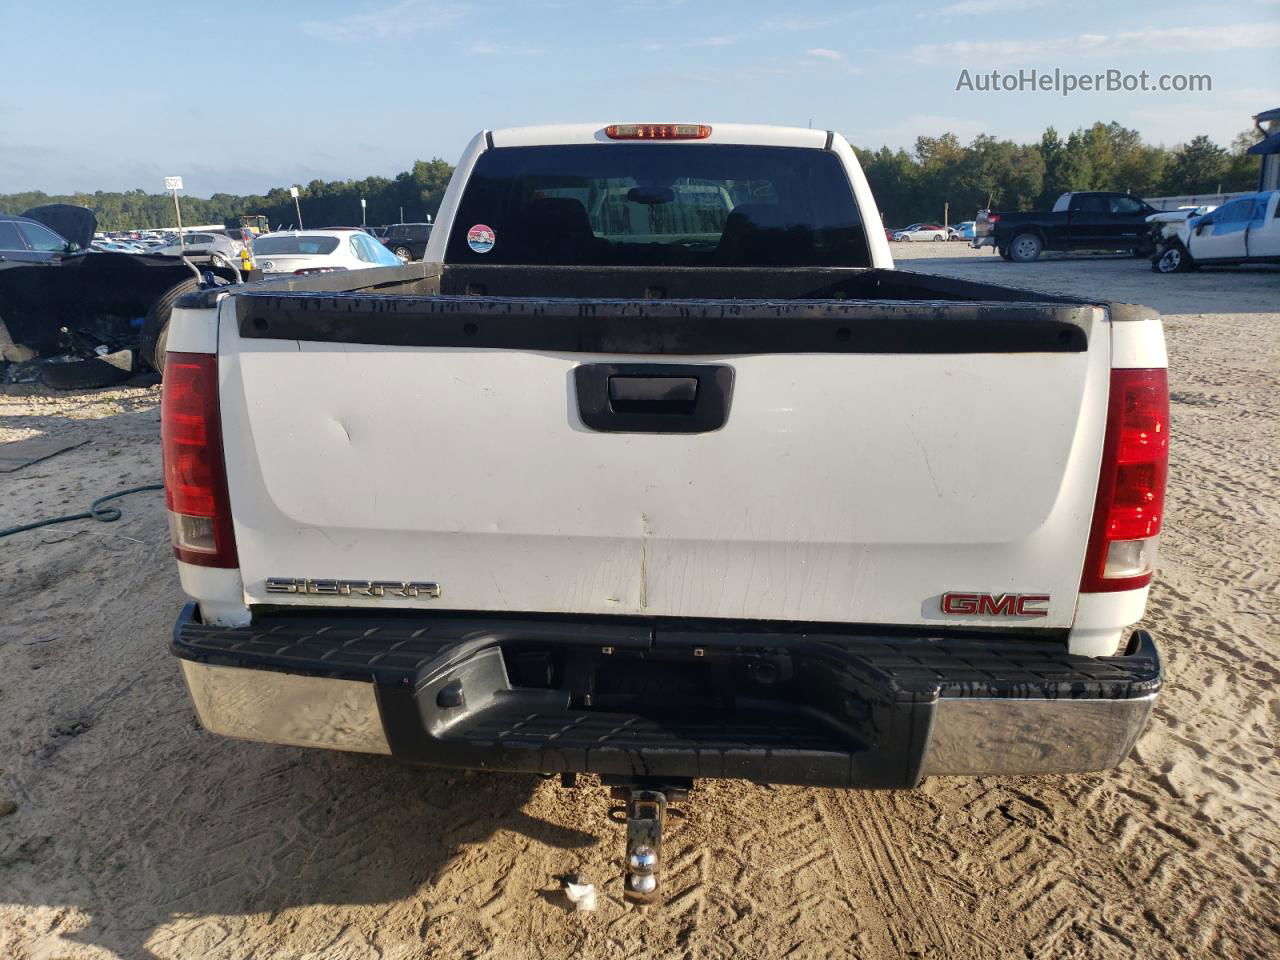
1268 124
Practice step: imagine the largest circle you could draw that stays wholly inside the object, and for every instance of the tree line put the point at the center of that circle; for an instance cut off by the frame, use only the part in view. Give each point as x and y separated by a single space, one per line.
909 185
1010 176
414 193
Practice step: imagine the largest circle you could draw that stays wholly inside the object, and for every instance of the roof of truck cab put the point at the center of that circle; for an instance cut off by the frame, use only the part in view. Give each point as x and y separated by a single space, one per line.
735 133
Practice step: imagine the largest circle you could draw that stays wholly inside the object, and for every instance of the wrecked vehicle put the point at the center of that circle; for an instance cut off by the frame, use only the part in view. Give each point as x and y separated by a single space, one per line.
1246 230
77 318
619 482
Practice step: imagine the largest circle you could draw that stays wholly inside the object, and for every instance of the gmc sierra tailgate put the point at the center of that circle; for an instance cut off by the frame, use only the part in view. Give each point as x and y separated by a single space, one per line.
848 461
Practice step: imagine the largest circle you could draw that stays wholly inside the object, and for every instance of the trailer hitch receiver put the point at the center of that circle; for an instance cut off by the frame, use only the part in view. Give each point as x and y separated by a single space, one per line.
646 813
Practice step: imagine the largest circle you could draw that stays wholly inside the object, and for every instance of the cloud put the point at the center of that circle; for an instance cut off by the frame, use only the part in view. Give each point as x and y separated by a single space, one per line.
1244 36
966 7
796 24
509 49
718 41
402 20
822 56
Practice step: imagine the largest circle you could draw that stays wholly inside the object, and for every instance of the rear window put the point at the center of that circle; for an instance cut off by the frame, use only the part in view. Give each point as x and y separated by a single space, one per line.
294 244
1089 205
410 231
659 204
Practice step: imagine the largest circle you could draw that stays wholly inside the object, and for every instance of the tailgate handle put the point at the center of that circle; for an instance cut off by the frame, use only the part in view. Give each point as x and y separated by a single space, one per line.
653 397
675 395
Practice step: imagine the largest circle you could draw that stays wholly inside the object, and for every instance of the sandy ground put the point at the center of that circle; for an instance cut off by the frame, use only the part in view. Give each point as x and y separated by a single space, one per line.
136 834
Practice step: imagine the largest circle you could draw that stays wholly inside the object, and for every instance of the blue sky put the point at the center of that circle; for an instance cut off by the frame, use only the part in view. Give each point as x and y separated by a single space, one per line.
116 95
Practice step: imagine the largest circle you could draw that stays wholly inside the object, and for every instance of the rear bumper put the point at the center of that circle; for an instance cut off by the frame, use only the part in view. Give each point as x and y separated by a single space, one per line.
774 703
988 241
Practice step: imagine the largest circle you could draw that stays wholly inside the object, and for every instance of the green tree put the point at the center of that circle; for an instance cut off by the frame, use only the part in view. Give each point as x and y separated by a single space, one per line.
1199 166
1097 146
1242 169
893 176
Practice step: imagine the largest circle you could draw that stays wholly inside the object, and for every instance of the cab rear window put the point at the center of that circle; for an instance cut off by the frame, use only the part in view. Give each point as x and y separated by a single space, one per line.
665 204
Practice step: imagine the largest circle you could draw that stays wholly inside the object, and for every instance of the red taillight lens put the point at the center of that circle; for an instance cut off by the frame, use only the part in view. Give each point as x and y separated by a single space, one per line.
657 131
195 479
993 218
1135 467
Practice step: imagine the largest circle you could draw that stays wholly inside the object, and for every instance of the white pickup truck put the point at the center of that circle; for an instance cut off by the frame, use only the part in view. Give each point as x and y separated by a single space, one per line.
654 468
1245 230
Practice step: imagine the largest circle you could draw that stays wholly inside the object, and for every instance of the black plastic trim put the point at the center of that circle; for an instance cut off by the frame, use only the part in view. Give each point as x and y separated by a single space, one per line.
681 327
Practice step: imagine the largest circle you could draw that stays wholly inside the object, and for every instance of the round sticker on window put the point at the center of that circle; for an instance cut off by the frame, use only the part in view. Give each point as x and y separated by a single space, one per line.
480 238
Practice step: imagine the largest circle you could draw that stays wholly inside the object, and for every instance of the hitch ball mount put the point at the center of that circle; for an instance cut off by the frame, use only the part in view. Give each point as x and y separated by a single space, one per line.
644 811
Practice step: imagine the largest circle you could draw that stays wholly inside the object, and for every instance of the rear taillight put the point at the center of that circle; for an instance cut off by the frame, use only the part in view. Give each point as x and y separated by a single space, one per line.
195 478
1135 466
657 131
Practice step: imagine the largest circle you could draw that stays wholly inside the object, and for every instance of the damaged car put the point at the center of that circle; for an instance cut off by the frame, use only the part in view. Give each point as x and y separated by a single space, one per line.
1244 231
73 318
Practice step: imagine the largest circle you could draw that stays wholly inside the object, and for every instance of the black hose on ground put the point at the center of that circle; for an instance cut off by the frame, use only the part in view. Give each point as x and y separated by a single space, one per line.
96 511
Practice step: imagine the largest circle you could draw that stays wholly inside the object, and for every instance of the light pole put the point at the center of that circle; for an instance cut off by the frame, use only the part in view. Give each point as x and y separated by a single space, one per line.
296 206
362 211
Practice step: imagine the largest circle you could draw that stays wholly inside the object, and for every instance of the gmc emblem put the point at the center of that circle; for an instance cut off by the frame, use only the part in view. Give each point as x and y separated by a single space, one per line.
993 605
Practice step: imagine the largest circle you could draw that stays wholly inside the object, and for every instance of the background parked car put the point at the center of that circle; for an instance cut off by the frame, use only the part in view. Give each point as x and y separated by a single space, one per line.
221 250
962 230
26 240
1079 220
1182 213
1246 230
319 251
921 231
408 241
111 246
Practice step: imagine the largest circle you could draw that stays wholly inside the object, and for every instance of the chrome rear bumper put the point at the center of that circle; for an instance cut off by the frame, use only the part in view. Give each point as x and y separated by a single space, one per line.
826 710
975 737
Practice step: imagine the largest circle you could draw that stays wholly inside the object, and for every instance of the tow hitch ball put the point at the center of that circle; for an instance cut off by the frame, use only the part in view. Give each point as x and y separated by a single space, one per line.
645 812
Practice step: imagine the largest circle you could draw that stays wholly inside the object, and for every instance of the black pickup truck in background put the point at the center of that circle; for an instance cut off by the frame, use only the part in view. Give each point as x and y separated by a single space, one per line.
1078 221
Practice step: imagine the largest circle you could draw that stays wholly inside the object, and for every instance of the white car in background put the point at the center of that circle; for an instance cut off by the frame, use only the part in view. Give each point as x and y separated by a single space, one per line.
1181 213
302 252
221 249
921 231
1243 231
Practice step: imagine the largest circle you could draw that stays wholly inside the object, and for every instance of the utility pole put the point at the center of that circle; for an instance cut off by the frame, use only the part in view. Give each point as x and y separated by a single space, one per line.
296 206
175 184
